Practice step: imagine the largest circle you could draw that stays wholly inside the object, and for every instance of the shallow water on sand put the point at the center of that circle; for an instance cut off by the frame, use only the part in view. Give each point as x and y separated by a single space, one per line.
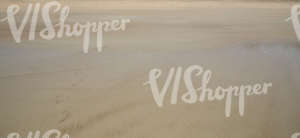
52 84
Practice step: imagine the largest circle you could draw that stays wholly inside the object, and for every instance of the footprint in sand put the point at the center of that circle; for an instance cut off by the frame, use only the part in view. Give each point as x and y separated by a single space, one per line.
65 114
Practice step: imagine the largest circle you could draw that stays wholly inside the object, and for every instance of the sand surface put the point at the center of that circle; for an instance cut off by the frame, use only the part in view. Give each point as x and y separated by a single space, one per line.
52 84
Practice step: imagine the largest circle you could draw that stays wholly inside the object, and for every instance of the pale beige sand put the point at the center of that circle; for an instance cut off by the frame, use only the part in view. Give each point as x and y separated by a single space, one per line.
52 84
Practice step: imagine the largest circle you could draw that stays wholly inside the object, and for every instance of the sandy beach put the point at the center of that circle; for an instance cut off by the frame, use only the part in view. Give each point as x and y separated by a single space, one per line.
53 85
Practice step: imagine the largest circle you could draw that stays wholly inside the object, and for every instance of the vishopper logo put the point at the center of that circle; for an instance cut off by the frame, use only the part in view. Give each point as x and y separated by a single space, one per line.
295 19
296 135
191 95
37 134
60 29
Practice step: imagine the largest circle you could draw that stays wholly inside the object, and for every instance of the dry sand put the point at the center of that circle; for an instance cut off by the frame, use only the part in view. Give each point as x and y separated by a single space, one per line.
52 84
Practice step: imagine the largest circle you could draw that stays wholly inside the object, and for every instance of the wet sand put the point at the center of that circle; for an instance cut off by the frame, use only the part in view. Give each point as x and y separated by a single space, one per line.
52 84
